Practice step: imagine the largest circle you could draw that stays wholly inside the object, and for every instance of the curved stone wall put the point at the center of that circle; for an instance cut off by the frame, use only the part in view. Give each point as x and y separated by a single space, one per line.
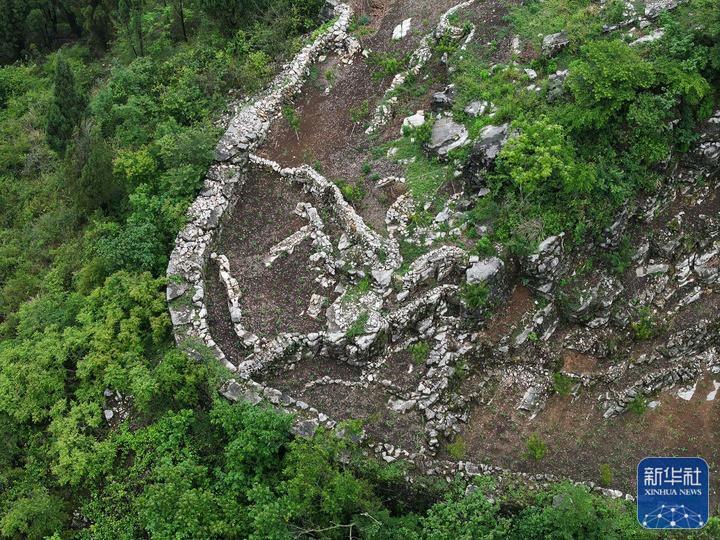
246 131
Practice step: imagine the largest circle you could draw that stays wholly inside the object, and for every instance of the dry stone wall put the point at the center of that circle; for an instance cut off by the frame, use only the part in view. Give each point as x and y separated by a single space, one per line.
246 131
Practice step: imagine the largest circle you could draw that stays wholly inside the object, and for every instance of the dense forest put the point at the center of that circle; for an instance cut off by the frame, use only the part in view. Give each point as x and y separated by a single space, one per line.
109 117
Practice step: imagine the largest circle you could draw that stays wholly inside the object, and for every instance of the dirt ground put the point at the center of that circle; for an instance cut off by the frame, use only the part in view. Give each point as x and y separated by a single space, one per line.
579 440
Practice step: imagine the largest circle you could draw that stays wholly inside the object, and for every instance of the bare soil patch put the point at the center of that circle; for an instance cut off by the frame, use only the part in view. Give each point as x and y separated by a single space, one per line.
273 299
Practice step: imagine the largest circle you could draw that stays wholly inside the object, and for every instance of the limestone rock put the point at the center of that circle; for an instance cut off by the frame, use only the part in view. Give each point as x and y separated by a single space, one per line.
446 136
556 85
328 10
478 108
484 152
554 43
484 270
445 99
402 29
414 121
305 428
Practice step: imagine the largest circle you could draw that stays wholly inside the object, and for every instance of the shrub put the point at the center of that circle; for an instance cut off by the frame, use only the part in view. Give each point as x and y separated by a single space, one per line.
605 80
457 448
384 65
360 112
353 193
484 247
475 295
562 384
644 328
420 351
638 405
606 475
620 259
66 108
535 448
292 118
540 163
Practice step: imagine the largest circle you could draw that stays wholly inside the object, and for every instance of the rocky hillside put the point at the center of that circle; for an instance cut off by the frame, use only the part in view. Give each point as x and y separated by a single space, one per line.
521 275
384 269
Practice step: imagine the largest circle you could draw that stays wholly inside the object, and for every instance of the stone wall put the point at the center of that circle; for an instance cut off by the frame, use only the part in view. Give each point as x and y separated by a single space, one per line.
246 131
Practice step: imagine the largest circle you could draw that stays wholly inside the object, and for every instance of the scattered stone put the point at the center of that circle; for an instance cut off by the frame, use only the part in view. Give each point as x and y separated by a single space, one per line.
446 136
413 122
554 43
443 100
484 270
402 29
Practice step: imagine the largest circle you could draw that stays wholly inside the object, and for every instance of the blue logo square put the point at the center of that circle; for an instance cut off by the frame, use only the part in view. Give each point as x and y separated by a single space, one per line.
672 493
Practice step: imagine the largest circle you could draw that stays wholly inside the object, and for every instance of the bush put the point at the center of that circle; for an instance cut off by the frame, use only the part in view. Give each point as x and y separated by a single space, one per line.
562 384
353 193
638 405
476 295
457 448
606 475
535 448
420 352
606 79
360 112
384 65
644 328
540 163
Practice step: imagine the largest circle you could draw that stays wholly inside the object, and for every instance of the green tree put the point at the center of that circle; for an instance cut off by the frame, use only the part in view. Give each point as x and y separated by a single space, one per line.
12 26
66 108
606 78
130 15
465 518
541 163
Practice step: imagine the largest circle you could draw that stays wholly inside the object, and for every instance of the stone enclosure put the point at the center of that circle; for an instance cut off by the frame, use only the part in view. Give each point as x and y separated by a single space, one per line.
279 277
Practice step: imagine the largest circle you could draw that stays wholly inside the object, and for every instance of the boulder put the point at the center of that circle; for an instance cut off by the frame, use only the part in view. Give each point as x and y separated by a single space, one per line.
414 121
484 270
478 108
446 136
482 158
443 100
554 43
